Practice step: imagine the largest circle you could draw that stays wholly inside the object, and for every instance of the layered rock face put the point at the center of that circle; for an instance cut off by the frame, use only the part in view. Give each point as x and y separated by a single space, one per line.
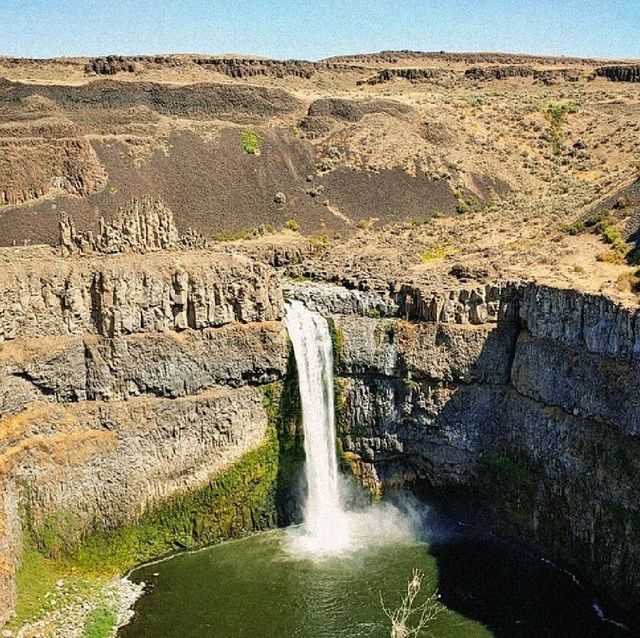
525 393
125 381
129 379
36 167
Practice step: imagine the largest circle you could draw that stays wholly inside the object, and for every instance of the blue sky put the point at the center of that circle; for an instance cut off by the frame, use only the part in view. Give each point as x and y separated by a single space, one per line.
312 30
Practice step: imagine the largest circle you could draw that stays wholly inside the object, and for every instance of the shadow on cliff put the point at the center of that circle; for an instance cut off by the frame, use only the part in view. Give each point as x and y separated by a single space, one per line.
290 484
505 585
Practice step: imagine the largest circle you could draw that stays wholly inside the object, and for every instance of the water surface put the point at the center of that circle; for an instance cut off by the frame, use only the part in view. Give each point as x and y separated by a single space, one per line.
255 588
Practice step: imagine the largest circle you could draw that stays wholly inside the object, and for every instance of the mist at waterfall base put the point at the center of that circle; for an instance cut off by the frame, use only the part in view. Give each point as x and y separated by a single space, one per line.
328 527
324 578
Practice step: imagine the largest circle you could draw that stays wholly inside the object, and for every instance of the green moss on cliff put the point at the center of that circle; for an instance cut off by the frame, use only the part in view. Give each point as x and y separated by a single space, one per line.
58 534
239 500
284 411
337 343
340 404
509 472
253 494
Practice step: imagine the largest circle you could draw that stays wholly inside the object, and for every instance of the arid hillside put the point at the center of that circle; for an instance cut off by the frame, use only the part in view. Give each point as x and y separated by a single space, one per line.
485 155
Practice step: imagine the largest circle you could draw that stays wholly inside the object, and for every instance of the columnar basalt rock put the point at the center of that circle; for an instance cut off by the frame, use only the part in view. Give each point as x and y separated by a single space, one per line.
143 225
140 226
126 381
620 73
135 293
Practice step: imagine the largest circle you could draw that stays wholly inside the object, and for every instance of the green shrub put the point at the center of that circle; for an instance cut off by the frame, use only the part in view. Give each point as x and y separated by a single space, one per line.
320 239
251 142
602 223
437 252
574 229
292 224
410 383
556 114
463 208
337 344
57 534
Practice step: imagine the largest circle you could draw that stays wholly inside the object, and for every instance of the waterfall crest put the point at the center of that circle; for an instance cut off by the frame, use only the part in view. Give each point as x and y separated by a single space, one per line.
325 523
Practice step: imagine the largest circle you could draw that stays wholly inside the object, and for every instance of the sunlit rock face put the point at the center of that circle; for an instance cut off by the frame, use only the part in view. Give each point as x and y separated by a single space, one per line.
125 381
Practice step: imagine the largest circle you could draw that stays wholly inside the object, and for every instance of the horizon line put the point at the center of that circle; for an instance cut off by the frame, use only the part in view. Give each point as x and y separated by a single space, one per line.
255 56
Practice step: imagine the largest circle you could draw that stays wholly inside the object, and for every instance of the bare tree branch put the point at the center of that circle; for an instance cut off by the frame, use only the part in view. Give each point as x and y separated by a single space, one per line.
409 619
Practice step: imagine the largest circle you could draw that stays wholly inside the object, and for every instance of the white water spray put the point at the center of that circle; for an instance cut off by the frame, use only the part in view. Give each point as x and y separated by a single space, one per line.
325 523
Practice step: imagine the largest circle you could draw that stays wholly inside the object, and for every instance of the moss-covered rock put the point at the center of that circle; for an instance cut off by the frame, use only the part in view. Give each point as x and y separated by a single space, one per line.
255 493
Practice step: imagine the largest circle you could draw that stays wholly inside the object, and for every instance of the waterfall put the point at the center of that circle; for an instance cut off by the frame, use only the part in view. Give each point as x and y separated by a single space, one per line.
325 528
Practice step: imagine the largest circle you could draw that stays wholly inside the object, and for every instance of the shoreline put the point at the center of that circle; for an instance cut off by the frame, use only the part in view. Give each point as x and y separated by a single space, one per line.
116 596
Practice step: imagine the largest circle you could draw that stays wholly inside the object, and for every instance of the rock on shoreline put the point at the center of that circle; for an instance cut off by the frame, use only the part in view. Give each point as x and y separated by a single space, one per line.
68 621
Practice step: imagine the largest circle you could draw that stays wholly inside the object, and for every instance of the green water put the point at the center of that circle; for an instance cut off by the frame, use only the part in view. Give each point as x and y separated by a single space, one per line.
254 588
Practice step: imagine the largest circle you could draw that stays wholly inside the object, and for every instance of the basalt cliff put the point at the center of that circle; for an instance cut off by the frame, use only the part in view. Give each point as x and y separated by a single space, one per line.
131 383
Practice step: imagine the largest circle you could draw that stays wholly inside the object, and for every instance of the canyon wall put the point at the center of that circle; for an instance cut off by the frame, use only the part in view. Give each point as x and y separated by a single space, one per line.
129 382
125 382
526 394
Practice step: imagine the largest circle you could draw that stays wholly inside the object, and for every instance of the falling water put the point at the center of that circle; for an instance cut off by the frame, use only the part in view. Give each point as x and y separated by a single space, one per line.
325 523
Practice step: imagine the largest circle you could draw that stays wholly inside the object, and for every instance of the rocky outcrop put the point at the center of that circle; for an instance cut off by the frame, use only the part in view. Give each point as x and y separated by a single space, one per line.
237 68
498 72
143 225
396 57
165 365
354 110
591 322
475 304
620 73
128 379
331 300
110 65
117 458
241 68
546 76
412 75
